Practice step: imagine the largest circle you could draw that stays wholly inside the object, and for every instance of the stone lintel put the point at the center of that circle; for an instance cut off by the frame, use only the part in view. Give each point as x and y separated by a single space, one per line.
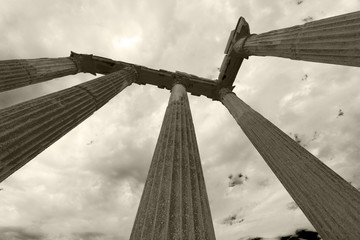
161 78
233 60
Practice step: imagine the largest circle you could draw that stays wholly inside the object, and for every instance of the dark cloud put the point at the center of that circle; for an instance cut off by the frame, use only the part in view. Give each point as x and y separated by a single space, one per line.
299 139
264 182
19 233
232 219
305 140
251 238
302 234
237 179
292 206
340 113
315 136
308 19
305 77
94 236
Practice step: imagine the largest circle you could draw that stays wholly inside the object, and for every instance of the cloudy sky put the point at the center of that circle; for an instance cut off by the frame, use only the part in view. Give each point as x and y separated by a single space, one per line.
88 184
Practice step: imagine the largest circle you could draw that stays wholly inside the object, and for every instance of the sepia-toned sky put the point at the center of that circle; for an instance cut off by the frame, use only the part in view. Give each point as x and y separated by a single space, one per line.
87 185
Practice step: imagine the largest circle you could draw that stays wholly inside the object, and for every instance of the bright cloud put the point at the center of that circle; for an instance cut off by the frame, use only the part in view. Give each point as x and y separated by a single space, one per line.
130 42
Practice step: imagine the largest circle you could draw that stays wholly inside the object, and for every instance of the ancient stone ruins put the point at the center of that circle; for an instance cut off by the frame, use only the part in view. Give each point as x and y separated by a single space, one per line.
174 203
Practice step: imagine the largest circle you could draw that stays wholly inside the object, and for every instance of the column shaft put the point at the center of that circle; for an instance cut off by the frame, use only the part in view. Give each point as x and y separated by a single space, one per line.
174 203
330 203
23 72
332 40
28 128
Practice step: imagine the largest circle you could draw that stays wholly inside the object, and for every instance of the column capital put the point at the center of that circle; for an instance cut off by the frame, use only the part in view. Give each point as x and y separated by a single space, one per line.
181 78
134 70
224 91
239 46
84 62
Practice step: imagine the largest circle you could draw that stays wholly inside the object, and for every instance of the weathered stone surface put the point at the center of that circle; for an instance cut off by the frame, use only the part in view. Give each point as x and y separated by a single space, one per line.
23 72
174 203
232 60
330 203
332 40
28 128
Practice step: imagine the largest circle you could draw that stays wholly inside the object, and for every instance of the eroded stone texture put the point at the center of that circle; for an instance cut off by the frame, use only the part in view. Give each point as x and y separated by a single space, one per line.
332 40
23 72
28 128
174 203
330 203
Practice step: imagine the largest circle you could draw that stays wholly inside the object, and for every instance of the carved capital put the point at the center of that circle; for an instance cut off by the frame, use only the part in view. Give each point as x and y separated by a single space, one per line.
132 69
238 46
224 91
84 62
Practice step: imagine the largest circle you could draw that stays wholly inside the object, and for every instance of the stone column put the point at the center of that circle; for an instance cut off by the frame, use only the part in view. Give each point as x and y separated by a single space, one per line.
330 203
23 72
28 128
332 40
174 203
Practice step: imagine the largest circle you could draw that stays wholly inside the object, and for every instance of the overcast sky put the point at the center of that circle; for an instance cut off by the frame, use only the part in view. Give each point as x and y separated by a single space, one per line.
88 184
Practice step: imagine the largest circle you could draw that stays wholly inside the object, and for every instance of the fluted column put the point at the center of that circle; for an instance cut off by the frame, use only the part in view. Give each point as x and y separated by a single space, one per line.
28 128
332 40
174 203
23 72
330 203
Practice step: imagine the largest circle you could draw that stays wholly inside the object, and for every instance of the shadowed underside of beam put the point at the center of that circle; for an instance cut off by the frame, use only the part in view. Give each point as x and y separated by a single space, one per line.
330 203
174 203
28 128
23 72
334 40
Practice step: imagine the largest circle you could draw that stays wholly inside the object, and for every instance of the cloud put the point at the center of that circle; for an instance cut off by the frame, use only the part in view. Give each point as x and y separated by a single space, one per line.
292 206
19 233
232 219
302 234
93 236
237 179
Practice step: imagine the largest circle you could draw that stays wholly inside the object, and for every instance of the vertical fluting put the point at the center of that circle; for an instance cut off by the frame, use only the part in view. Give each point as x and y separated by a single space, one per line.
334 40
330 203
28 128
174 203
23 72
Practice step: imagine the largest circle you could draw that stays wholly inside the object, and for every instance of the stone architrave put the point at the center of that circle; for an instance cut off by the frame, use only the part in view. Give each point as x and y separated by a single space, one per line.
28 128
174 203
332 40
330 203
24 72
